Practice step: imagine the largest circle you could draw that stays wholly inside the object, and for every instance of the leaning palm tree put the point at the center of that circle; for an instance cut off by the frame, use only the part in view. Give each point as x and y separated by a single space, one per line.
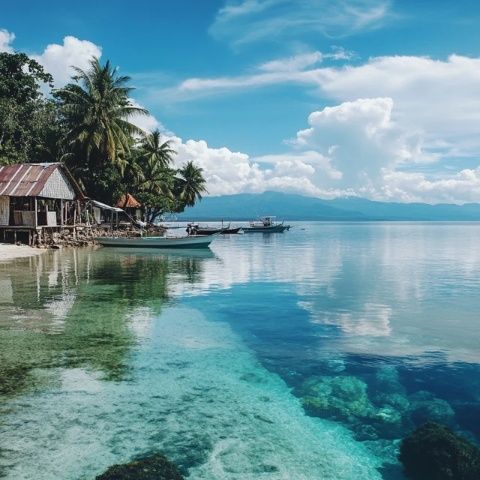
190 184
97 111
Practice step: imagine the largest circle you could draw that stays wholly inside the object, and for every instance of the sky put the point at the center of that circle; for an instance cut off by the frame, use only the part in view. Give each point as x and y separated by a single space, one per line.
372 98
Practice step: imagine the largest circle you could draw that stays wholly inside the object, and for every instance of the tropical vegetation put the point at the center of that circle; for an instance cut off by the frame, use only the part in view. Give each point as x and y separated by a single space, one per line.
89 126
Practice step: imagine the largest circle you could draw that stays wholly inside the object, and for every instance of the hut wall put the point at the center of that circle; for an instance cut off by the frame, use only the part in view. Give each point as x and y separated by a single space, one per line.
58 186
4 210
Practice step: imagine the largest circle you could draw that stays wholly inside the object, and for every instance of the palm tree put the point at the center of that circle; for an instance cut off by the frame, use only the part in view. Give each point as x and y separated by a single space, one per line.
154 152
97 110
155 158
191 184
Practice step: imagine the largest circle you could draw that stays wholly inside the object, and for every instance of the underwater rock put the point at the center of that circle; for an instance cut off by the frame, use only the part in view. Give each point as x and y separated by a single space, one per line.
425 407
346 399
433 451
388 389
394 400
387 380
154 467
341 398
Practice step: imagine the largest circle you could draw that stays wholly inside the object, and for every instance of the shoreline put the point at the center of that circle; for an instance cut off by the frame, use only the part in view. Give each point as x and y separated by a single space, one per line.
9 252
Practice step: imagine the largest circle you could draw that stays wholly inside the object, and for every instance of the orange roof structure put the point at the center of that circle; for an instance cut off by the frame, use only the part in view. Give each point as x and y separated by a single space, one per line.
128 201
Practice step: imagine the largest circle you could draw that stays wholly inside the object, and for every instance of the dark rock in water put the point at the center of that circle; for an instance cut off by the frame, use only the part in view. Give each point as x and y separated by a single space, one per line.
154 467
434 452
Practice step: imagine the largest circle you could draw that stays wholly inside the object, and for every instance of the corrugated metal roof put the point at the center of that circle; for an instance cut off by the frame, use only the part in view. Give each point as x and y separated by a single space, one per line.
29 179
129 202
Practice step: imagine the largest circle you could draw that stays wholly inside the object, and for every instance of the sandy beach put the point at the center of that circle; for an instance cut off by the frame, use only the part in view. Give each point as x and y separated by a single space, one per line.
11 252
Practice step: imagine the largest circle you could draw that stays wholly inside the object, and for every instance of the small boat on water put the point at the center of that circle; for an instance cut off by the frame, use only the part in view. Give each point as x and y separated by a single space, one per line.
191 241
266 225
196 229
230 231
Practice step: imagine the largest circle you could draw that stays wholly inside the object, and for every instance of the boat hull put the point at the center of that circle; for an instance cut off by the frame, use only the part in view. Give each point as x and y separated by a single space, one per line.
195 241
272 229
208 231
231 231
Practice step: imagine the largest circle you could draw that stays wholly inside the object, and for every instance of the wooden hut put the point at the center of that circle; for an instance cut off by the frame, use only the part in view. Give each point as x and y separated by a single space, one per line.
130 205
35 196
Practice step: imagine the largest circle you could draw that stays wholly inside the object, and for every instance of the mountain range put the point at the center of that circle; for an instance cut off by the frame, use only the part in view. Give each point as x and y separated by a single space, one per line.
287 206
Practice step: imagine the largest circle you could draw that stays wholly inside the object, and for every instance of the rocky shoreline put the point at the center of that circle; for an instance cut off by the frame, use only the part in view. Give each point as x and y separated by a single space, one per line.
86 236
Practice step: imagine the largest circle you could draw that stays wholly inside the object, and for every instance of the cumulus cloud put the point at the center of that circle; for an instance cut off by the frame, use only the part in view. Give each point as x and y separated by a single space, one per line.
351 149
438 98
460 187
58 59
6 40
242 22
359 139
229 172
148 122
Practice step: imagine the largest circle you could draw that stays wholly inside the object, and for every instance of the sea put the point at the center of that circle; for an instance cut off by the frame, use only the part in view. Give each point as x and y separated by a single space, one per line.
304 355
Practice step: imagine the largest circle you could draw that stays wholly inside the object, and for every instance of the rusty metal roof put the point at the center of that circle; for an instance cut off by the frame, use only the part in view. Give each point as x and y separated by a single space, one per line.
128 201
29 179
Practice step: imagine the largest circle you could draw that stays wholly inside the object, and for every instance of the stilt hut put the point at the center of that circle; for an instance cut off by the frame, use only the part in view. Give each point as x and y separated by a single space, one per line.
34 197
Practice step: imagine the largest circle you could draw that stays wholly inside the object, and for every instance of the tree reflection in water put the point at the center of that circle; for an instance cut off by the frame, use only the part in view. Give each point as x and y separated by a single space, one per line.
72 309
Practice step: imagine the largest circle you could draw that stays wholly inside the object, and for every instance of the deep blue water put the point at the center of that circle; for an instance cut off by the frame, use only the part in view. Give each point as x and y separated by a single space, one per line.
307 354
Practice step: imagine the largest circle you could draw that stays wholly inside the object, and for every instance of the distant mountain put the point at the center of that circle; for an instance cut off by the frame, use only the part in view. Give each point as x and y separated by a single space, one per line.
297 207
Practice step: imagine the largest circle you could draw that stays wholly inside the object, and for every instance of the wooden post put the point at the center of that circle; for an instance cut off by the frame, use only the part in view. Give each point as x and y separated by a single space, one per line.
61 212
35 216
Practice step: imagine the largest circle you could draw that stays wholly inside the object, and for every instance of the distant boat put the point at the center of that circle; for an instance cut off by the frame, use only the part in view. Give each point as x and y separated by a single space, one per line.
192 241
266 225
196 229
228 231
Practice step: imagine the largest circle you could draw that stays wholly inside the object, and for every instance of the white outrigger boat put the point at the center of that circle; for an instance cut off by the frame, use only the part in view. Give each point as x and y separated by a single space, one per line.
192 241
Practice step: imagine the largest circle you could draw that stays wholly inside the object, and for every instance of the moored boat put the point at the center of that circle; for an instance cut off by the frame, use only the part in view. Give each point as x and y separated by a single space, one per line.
266 225
196 229
192 241
229 231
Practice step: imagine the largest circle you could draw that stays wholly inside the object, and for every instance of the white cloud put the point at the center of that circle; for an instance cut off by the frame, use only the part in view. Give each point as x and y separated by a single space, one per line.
440 99
230 172
146 122
360 139
293 69
59 59
242 22
6 39
293 63
461 187
354 149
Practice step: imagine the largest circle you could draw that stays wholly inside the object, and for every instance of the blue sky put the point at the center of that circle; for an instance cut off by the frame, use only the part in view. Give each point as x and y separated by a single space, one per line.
375 98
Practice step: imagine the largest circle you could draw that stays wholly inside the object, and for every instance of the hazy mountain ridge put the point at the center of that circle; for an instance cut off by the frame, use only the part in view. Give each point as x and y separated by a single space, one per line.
286 206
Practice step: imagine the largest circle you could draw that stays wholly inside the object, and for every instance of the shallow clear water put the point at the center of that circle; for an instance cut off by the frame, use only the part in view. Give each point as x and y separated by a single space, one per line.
303 355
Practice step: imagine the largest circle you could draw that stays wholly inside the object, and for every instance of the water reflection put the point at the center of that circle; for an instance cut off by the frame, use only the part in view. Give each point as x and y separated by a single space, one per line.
379 313
74 309
372 326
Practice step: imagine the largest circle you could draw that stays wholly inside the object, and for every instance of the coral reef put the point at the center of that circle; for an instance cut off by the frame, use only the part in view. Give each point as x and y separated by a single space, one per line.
381 409
340 398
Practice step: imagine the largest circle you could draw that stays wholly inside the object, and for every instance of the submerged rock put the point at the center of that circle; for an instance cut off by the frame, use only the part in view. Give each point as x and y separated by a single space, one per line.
342 398
154 467
434 452
425 407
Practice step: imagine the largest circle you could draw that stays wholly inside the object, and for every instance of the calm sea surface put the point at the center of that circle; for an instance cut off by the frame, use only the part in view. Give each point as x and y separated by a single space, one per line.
303 355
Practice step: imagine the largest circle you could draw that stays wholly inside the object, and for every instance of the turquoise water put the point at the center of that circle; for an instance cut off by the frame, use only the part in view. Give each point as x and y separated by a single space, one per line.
304 355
